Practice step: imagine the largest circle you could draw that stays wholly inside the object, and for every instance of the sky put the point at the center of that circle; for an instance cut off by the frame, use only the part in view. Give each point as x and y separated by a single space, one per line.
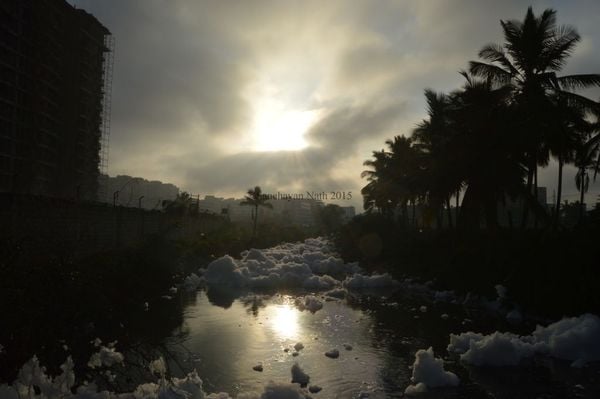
220 96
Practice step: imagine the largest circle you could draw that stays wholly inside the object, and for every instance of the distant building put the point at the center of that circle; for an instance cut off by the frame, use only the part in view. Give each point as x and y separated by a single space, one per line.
53 59
298 211
134 191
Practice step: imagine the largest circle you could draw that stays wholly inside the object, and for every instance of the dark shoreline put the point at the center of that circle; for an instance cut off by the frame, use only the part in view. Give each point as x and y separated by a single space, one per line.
551 274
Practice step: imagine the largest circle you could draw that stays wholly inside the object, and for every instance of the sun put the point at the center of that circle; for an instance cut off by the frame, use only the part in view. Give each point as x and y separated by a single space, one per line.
279 128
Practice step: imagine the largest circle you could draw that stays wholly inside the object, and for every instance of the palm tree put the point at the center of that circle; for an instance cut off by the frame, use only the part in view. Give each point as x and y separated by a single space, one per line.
255 199
534 51
593 145
565 139
404 161
435 138
378 194
586 159
393 180
485 159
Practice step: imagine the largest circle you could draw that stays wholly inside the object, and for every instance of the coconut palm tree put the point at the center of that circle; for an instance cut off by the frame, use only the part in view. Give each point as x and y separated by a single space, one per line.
485 158
534 51
435 137
393 177
255 199
593 145
376 197
565 140
582 179
586 159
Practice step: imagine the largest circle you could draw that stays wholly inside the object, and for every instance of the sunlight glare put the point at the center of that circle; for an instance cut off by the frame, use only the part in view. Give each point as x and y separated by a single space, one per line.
285 321
277 128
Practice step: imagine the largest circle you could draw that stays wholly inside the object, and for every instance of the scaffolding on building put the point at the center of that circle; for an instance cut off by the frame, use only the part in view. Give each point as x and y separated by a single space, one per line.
107 71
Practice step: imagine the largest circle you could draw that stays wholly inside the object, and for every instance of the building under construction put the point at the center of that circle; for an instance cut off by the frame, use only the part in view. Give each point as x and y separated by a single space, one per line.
55 77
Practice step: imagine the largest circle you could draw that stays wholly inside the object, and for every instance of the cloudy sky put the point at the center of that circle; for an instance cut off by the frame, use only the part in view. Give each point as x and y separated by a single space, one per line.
219 96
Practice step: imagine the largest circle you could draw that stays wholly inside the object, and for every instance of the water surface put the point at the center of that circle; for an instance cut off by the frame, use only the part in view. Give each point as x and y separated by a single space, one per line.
225 342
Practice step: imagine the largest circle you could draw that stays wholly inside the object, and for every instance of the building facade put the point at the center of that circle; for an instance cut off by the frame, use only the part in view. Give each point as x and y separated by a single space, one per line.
52 97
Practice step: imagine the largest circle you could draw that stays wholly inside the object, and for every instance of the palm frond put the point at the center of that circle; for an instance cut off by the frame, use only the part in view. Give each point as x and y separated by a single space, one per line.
576 82
490 72
495 53
578 102
554 55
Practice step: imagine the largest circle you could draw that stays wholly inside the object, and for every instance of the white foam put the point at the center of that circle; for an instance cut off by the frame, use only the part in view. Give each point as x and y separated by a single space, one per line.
310 303
107 356
312 265
429 371
191 282
33 383
360 281
576 339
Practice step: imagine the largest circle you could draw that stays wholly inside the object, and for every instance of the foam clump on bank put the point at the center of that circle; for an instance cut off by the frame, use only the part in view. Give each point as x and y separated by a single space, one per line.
107 356
310 303
33 383
496 349
312 265
576 339
190 283
428 372
360 281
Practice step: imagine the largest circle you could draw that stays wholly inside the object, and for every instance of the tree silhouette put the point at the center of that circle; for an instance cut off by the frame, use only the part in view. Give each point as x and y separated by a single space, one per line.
585 161
255 199
535 49
179 206
434 137
488 138
393 178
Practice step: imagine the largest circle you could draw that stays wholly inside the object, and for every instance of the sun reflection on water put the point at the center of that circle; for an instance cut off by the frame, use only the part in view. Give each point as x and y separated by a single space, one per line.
284 321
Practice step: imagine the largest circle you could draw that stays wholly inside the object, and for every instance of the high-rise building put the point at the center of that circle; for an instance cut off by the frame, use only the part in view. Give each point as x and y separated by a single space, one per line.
53 98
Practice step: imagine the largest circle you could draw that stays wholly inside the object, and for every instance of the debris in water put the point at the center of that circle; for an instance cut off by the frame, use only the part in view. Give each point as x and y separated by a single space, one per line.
334 353
299 376
258 367
314 388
